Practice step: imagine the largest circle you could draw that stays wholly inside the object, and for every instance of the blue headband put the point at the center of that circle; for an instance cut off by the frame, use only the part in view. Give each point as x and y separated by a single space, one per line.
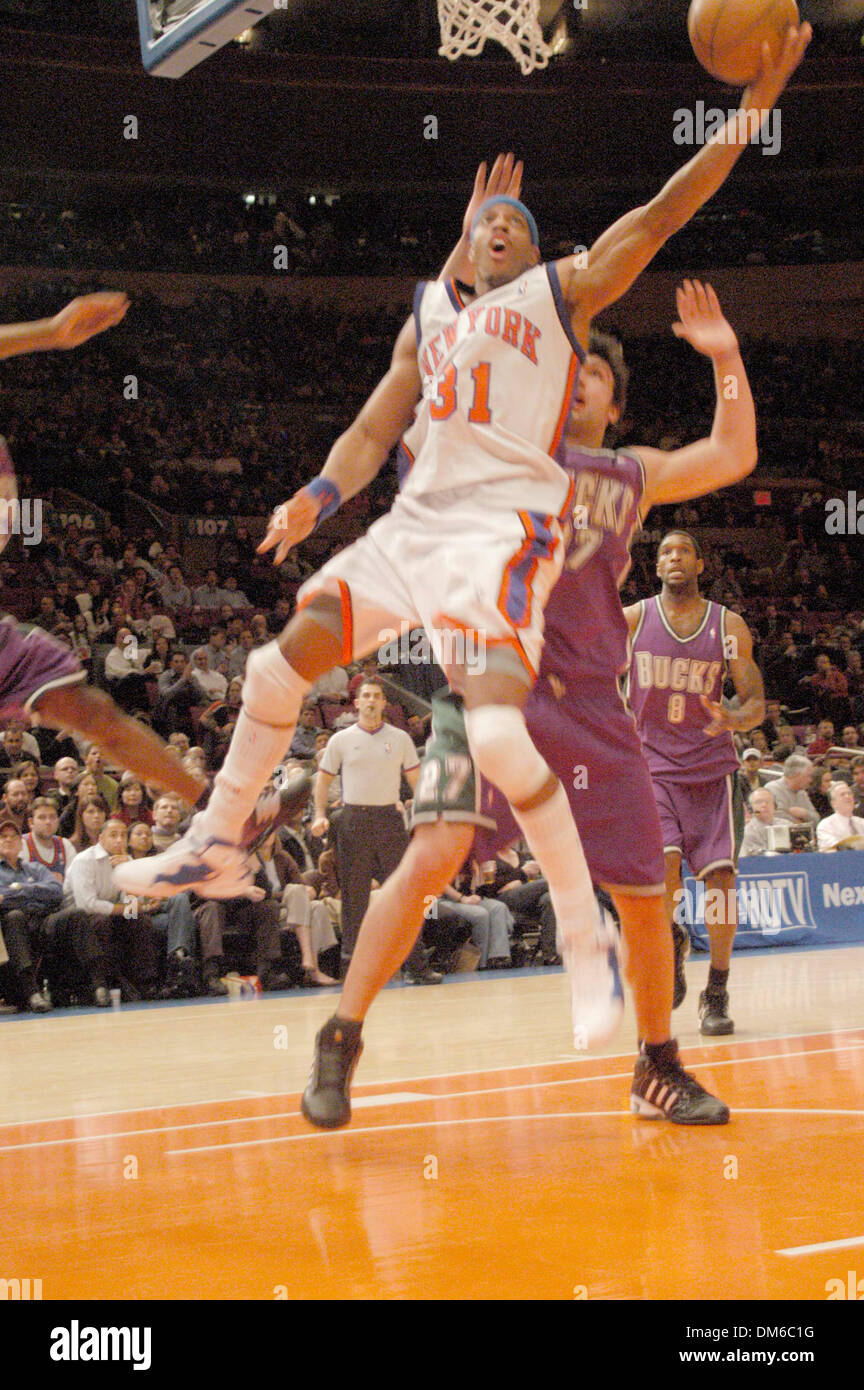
514 203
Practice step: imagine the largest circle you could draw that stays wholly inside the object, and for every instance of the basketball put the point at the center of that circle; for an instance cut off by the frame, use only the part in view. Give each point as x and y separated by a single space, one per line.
727 35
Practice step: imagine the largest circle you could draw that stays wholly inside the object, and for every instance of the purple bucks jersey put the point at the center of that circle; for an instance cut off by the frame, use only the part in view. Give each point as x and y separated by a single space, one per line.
668 673
586 631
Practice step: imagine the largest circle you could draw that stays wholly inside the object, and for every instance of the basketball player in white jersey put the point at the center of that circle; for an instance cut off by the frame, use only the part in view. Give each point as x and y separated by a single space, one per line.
478 393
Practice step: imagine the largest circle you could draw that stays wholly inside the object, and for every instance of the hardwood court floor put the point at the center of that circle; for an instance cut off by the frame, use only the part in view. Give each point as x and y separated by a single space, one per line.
159 1152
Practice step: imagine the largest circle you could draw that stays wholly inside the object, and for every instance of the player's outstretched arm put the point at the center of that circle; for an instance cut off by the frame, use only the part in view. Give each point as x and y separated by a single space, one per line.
747 680
358 455
8 495
81 319
505 180
729 453
620 255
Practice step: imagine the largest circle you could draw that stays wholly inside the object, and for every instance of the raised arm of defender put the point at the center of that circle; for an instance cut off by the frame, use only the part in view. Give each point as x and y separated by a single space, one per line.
729 453
358 454
620 255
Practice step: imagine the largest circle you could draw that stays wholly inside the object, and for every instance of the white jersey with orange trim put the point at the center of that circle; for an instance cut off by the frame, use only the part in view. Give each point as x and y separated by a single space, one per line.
498 376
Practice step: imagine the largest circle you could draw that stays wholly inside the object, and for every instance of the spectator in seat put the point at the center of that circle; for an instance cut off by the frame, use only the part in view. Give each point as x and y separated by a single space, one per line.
177 695
17 745
176 593
166 818
489 919
75 954
28 895
210 594
217 645
107 786
858 784
128 940
303 742
790 792
132 806
218 721
756 839
235 597
66 774
16 803
748 774
125 668
842 824
257 917
301 914
28 773
90 816
823 741
820 794
210 683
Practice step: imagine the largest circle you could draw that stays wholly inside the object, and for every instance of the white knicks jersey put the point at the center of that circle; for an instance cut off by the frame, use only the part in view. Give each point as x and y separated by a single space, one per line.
498 377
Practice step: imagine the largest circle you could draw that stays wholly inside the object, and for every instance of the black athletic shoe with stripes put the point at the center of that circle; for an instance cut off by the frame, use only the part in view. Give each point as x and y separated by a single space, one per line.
663 1090
327 1099
714 1020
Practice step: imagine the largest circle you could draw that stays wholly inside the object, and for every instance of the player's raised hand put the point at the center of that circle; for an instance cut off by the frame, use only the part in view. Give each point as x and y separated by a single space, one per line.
505 181
86 316
701 322
774 75
290 524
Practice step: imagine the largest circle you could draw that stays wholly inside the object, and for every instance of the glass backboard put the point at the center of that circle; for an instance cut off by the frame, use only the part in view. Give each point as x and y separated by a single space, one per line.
178 34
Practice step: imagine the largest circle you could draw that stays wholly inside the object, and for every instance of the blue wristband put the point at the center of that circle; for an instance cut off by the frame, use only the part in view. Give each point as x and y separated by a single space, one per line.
328 494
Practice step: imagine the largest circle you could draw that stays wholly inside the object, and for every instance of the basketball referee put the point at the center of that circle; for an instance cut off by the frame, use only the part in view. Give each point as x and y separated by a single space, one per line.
370 835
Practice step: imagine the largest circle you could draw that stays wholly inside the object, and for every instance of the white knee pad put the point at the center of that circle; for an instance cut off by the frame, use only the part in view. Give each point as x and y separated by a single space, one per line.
272 690
502 749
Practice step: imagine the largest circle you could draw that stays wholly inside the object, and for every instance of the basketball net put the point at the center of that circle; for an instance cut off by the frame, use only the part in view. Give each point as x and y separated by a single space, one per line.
467 24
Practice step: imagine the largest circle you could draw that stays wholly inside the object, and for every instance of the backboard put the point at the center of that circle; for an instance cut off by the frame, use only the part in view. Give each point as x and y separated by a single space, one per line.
178 34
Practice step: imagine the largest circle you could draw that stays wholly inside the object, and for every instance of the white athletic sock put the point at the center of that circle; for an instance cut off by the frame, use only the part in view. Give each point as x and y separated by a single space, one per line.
272 694
554 841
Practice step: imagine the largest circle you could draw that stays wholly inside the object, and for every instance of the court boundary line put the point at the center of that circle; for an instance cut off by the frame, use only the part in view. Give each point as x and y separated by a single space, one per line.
481 1119
442 1076
425 1099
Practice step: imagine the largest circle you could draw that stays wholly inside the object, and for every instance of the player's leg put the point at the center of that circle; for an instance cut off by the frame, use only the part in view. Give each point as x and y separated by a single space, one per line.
721 921
673 899
504 753
388 932
87 710
661 1089
716 826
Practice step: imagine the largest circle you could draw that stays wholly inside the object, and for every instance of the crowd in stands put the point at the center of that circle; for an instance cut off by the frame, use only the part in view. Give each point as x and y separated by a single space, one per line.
377 232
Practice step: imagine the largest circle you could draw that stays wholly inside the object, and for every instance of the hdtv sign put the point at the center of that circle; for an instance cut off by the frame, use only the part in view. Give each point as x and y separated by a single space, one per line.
768 905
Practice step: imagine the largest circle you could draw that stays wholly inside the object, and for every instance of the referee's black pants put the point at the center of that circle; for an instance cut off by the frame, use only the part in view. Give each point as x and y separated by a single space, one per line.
369 842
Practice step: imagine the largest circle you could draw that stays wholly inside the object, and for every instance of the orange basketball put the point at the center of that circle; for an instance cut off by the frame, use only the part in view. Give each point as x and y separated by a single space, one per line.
727 35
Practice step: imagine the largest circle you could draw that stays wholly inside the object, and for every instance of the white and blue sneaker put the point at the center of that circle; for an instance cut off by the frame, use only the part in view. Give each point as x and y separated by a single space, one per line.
197 863
596 989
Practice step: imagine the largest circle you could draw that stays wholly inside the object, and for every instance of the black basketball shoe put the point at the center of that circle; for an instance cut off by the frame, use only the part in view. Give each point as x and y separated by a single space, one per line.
663 1090
327 1099
714 1018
